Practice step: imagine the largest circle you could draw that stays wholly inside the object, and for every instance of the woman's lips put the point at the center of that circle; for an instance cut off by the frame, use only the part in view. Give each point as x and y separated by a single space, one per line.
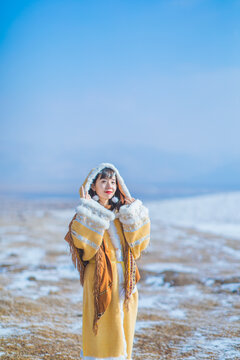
108 191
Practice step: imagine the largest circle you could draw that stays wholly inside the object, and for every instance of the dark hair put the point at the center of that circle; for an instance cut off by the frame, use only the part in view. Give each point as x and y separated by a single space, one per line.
104 174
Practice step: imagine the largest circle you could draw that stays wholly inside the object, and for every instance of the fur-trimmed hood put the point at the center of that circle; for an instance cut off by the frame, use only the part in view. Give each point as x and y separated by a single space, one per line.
93 173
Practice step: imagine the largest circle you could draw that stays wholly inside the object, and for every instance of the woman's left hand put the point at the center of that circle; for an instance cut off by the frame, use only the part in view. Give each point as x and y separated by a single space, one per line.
129 201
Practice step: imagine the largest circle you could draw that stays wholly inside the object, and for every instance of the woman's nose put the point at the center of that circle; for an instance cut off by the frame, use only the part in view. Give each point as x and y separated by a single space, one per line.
109 185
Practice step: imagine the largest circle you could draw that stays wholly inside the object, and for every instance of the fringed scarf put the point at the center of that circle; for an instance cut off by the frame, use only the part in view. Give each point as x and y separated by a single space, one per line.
103 276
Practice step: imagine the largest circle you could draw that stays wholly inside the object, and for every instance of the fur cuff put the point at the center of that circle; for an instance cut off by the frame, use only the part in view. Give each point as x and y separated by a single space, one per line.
95 212
135 212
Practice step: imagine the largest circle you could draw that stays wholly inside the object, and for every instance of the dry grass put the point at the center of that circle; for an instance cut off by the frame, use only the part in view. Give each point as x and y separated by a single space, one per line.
48 326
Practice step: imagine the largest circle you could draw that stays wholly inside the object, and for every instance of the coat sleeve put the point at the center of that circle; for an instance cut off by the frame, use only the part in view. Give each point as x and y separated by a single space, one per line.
87 229
136 226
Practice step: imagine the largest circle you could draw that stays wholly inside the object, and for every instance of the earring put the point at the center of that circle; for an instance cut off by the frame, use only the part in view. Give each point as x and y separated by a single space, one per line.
115 199
95 197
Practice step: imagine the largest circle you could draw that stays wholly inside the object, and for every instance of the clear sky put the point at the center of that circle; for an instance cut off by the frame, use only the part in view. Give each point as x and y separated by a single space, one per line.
152 86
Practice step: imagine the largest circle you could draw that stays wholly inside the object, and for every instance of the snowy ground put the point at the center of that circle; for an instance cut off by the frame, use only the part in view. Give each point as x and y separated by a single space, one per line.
189 293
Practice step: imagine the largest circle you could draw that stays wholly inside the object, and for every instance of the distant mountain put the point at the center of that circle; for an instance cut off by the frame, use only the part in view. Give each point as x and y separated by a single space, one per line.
153 173
227 175
147 171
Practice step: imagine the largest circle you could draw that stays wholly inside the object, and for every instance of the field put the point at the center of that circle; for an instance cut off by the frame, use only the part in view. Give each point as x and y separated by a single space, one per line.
189 304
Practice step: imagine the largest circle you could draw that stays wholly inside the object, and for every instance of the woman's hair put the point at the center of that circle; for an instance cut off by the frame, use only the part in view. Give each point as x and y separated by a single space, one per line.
109 173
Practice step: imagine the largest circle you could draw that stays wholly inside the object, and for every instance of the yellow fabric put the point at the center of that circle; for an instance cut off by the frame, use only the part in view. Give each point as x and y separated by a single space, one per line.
116 327
138 239
109 341
91 236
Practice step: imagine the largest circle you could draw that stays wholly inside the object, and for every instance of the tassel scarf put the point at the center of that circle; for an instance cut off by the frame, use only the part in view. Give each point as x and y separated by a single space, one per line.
103 276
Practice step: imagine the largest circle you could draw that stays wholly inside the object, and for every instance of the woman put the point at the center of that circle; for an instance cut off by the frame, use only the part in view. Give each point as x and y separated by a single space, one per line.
106 235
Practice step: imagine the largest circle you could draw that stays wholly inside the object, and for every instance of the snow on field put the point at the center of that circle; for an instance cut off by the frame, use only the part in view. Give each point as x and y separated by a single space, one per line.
217 213
188 293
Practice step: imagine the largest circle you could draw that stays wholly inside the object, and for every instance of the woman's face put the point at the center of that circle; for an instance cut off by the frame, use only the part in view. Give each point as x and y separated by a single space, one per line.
105 188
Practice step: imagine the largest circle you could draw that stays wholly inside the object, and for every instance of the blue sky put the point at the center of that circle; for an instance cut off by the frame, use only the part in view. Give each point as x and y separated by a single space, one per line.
152 86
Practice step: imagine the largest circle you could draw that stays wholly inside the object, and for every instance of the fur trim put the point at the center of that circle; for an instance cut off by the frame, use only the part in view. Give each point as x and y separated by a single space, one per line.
130 214
96 207
122 320
121 282
136 226
96 219
114 236
95 212
96 170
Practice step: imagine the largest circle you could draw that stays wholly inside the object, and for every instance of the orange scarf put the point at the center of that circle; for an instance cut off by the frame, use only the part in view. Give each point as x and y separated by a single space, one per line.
103 276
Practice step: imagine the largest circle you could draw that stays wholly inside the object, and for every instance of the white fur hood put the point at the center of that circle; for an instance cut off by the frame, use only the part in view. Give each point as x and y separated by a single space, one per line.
93 173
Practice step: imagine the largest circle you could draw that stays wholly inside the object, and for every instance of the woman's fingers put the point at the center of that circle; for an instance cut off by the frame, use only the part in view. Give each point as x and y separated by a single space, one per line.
83 192
129 200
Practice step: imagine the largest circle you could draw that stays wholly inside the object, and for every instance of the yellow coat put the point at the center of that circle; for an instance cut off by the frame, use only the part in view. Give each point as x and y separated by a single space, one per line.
114 339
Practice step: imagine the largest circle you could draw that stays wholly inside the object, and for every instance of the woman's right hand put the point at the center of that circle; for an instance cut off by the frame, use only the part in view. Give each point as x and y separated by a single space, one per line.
85 194
129 201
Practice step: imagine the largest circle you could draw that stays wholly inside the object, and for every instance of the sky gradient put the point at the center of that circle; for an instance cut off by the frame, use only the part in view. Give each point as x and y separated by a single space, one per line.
151 86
